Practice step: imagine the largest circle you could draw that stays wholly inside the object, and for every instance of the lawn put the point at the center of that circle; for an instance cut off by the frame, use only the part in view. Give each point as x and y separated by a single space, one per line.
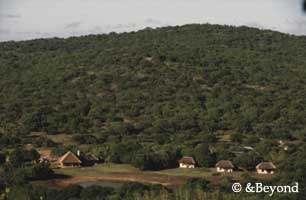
127 173
125 168
196 172
98 169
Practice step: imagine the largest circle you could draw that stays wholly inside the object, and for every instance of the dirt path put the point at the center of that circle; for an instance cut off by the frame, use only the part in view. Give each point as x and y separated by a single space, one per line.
170 181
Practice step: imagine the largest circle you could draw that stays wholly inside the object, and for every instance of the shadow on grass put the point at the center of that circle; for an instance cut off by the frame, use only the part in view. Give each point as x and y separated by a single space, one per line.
60 176
53 177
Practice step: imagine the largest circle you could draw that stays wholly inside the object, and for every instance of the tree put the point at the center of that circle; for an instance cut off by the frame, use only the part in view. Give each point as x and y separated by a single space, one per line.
197 183
252 140
209 138
2 158
248 160
69 192
96 192
41 171
19 156
203 155
236 137
31 155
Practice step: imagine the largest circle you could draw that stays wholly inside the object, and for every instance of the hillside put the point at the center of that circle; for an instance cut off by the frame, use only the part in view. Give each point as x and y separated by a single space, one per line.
147 99
189 79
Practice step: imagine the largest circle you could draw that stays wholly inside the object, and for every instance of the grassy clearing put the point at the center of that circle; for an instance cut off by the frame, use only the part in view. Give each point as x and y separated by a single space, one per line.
62 138
98 169
206 173
127 173
125 168
197 172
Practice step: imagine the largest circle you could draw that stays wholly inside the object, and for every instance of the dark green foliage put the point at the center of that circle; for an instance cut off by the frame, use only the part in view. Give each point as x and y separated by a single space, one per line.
248 160
42 142
209 138
150 159
267 146
197 183
9 140
295 171
96 192
69 192
127 192
20 156
226 184
2 158
236 138
39 171
150 97
86 139
13 175
203 156
252 140
201 78
129 189
61 150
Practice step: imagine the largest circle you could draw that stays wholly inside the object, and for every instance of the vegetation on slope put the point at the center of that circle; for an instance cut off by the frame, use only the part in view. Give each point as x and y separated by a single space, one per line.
203 78
149 97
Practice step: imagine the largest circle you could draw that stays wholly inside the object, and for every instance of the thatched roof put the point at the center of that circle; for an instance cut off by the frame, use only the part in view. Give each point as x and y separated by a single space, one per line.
187 160
69 158
225 164
266 166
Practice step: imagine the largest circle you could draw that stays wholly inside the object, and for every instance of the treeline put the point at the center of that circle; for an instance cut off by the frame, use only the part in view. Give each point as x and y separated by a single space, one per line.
194 189
22 165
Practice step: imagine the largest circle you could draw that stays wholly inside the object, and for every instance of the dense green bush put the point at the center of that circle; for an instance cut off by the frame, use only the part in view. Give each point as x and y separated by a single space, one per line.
2 158
19 156
39 171
149 97
203 156
201 79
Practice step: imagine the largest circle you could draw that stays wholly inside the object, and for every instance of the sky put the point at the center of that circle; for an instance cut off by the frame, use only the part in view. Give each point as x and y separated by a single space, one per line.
30 19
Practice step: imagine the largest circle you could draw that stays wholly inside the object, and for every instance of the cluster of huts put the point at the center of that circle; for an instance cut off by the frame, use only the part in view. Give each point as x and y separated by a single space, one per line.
70 159
227 166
